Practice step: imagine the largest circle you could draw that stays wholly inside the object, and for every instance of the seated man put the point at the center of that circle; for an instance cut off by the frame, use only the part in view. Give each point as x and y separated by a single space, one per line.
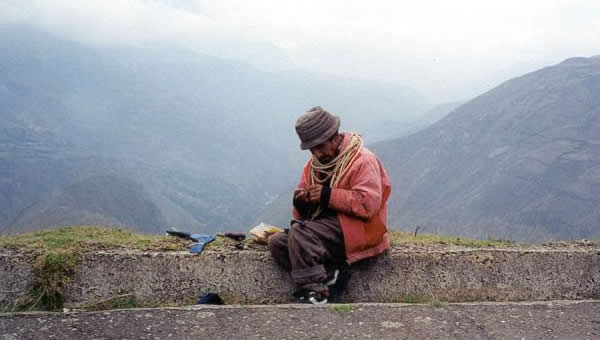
340 207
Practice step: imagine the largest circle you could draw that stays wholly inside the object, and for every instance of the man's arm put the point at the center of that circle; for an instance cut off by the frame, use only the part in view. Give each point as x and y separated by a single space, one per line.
301 202
302 206
363 198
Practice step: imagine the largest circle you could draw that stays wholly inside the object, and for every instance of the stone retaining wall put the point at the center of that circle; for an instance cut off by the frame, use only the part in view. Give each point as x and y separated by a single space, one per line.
251 277
16 277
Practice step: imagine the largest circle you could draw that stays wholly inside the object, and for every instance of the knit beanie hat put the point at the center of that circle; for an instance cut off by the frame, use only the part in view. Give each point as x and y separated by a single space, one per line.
315 127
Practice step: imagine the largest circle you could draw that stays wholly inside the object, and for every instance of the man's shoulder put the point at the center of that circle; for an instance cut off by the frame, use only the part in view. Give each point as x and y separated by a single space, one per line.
368 160
367 155
365 151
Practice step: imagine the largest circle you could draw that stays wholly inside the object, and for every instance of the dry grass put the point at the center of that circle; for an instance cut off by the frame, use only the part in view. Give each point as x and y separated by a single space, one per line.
341 308
92 238
57 253
398 237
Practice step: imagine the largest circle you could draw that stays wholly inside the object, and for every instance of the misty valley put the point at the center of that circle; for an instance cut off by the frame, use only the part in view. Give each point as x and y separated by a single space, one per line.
158 137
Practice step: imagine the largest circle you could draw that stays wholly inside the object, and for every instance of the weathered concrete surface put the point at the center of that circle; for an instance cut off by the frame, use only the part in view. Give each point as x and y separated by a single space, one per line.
16 277
251 277
158 278
549 320
480 275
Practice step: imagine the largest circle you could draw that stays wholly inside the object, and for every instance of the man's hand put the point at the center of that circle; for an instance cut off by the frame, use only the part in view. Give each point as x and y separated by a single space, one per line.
301 195
314 193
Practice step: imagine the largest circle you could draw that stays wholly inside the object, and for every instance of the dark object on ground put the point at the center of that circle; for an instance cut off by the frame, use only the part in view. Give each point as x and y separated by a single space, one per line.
189 236
211 299
200 239
310 297
236 236
181 234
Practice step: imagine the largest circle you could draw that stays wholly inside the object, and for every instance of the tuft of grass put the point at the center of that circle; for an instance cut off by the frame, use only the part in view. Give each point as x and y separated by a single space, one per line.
123 302
52 273
117 302
411 298
398 237
90 238
57 253
341 308
221 242
436 303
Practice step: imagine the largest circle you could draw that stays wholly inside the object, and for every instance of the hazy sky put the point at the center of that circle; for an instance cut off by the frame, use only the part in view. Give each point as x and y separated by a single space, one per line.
447 50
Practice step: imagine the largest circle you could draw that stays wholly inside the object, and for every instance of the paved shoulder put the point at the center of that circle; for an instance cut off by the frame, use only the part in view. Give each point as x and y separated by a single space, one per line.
541 320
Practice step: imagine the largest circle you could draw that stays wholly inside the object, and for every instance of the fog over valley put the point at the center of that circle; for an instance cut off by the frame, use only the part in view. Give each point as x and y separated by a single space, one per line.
181 113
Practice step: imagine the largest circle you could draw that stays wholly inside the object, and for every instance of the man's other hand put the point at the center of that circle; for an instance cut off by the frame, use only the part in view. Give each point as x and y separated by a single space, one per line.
301 195
314 193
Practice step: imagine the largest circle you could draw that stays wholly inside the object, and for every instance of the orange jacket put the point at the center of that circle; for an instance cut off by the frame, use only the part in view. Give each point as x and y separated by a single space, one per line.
361 202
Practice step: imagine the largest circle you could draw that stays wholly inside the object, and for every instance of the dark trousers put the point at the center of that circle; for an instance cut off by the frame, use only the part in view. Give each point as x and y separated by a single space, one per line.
308 250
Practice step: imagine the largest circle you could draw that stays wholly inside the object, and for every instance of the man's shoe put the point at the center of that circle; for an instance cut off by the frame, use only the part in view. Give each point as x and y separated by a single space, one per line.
337 287
310 297
332 279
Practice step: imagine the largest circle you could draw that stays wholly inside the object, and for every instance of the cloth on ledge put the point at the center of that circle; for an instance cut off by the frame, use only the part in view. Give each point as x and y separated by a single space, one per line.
200 239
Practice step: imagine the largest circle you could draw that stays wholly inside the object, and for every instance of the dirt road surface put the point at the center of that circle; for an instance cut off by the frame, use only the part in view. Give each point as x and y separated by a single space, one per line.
536 320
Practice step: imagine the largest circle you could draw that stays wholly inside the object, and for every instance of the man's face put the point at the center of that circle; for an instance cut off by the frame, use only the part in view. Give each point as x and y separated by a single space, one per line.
328 150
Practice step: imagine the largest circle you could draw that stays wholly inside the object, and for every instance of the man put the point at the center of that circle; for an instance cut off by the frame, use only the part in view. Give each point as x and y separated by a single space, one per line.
340 207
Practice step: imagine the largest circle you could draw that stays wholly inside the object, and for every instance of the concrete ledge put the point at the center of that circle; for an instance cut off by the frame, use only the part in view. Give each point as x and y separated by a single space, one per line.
251 277
300 306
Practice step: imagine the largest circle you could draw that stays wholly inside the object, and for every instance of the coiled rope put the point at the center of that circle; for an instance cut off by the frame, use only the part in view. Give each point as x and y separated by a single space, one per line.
337 168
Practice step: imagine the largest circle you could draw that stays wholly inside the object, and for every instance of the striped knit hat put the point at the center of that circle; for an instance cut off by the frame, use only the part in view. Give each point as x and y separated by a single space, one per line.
315 127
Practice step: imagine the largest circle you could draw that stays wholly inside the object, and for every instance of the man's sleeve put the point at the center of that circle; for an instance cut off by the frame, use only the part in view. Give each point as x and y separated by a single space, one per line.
363 198
300 209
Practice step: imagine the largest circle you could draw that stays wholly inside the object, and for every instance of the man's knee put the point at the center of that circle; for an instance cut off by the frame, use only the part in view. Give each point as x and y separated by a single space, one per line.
277 243
298 232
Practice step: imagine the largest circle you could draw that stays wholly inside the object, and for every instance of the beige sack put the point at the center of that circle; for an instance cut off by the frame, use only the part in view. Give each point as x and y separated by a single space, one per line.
262 232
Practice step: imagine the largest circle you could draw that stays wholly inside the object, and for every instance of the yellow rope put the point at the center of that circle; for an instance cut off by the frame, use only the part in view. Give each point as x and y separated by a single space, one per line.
336 169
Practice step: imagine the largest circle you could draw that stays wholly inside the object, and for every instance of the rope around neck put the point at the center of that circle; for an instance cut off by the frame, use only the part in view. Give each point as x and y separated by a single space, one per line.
335 170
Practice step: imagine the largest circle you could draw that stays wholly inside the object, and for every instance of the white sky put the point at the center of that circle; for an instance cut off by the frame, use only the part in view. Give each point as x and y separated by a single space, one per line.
447 50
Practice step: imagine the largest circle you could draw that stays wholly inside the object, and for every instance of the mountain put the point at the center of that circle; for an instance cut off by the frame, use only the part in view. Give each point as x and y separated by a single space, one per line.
519 162
390 128
156 136
438 112
105 200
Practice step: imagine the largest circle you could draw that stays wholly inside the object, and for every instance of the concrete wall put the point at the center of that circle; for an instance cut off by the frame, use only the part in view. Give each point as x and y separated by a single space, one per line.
400 275
16 277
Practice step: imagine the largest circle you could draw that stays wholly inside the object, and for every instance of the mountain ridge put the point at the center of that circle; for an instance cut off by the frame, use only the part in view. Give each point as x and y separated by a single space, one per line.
492 168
